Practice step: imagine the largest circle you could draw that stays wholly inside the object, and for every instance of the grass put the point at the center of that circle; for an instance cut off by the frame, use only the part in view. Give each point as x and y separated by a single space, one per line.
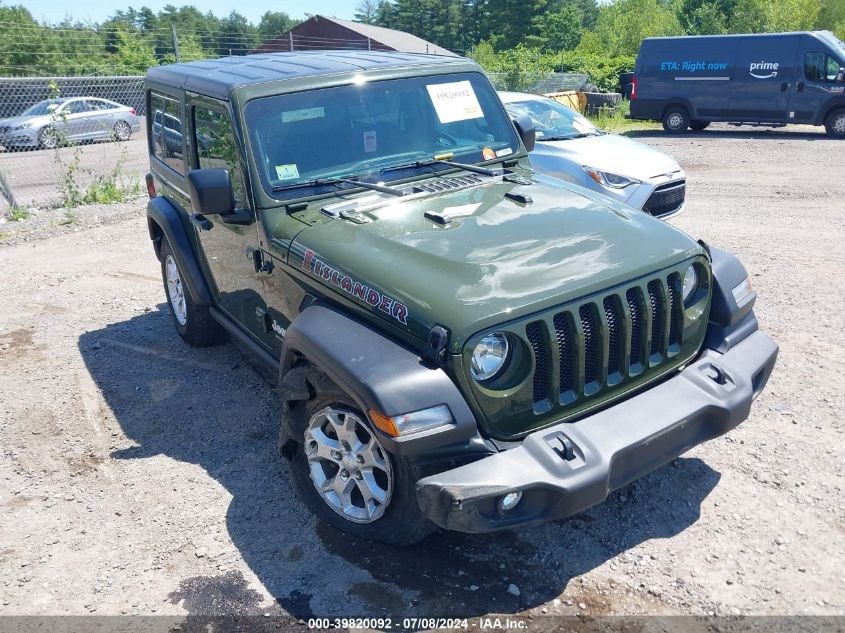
18 214
71 217
615 121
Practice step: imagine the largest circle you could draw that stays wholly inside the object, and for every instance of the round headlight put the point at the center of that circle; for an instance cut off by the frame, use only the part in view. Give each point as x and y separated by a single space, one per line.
489 356
690 283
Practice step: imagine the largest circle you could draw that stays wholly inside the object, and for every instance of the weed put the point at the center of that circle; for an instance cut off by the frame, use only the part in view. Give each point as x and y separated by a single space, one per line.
18 213
71 217
613 120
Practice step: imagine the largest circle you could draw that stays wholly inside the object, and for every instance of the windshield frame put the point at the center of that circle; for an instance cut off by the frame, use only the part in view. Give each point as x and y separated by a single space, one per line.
373 173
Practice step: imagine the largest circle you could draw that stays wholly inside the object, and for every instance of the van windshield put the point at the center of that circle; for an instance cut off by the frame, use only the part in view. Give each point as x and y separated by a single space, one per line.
362 129
834 42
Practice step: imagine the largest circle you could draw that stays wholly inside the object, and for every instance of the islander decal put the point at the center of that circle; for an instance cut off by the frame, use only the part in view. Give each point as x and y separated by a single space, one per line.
389 306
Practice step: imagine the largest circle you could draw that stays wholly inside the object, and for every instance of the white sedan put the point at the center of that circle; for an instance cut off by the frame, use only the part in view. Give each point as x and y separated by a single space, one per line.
571 148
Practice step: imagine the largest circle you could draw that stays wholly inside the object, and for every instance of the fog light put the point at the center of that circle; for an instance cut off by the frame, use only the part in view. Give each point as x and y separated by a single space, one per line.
510 501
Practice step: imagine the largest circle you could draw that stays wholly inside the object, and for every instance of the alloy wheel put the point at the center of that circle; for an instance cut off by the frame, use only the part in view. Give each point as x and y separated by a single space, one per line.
348 466
122 131
175 290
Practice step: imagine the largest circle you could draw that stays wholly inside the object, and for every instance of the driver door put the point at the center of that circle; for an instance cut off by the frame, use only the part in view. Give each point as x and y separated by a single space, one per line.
228 249
816 83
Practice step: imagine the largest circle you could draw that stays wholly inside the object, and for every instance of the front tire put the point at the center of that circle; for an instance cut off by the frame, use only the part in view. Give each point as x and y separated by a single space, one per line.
344 475
676 120
193 322
48 138
835 124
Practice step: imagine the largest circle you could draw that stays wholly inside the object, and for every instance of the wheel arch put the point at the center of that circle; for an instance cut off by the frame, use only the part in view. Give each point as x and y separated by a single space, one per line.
376 372
678 101
163 221
831 108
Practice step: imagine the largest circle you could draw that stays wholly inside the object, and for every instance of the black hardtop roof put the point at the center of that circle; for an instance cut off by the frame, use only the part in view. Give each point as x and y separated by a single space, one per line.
218 77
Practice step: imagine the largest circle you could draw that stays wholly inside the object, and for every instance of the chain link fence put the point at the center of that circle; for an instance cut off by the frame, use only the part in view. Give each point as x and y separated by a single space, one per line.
68 141
541 83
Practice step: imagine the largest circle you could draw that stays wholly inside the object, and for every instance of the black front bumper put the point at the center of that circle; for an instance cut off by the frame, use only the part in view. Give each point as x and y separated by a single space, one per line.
564 469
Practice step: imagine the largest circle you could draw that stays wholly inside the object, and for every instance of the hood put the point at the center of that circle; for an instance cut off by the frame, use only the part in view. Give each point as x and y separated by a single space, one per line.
19 120
613 153
496 261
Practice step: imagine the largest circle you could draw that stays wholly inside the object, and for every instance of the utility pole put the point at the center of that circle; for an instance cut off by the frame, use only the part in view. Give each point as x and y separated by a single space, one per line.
290 38
175 42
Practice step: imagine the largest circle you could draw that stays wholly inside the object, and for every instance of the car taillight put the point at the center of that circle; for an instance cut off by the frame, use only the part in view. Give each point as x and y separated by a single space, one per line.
133 111
634 87
151 186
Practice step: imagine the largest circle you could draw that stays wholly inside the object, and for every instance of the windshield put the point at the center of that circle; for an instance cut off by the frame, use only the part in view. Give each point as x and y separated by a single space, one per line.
42 107
551 119
833 41
366 128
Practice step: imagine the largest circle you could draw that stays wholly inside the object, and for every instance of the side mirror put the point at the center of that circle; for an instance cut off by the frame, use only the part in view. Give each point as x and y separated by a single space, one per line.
840 76
211 191
525 129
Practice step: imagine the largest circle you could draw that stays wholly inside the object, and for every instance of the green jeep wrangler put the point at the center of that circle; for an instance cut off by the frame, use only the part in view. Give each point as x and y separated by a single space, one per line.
459 342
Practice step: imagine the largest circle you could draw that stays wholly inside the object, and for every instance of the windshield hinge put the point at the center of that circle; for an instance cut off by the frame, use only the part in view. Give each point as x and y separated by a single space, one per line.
436 347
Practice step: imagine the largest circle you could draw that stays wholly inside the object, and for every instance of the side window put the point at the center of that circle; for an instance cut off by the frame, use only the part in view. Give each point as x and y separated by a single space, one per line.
166 131
77 107
814 66
832 69
217 147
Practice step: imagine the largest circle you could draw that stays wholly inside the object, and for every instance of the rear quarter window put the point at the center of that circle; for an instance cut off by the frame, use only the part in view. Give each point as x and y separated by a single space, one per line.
165 131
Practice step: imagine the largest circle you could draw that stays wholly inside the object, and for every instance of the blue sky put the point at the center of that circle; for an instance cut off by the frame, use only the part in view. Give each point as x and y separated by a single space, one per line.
56 10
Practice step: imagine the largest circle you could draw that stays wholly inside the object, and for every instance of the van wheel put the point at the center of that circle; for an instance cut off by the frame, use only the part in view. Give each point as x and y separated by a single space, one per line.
835 124
344 475
676 120
699 125
193 323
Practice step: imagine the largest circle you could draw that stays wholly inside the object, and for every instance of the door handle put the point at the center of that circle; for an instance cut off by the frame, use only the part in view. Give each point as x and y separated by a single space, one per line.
201 221
784 87
800 86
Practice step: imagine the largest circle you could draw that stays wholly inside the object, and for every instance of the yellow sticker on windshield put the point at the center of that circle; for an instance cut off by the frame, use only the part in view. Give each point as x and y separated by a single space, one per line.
287 172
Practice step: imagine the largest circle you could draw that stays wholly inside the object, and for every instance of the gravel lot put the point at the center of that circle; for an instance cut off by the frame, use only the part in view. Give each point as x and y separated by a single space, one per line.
139 476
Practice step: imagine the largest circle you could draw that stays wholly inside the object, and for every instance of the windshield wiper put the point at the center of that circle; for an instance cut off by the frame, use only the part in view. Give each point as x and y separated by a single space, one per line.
476 169
336 182
567 137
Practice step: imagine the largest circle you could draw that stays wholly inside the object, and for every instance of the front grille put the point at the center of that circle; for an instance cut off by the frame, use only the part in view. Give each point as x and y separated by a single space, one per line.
601 342
666 198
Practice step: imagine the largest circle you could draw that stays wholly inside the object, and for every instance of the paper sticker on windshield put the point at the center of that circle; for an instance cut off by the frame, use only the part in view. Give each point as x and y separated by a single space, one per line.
488 154
370 142
504 152
291 116
455 101
287 172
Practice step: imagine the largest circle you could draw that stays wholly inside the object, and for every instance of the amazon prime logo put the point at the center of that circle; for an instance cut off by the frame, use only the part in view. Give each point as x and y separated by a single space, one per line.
762 68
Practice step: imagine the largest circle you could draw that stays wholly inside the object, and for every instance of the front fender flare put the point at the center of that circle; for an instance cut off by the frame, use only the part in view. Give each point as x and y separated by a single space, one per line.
378 374
163 220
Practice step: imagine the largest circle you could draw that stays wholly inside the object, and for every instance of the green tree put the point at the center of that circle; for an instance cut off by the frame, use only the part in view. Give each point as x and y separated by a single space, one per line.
559 30
273 24
367 11
832 17
774 16
133 55
621 27
237 36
